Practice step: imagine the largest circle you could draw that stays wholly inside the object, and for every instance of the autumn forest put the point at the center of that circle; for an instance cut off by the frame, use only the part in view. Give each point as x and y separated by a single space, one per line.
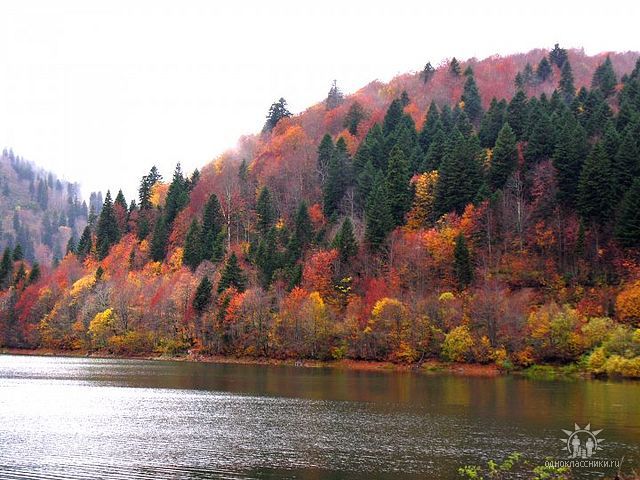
478 211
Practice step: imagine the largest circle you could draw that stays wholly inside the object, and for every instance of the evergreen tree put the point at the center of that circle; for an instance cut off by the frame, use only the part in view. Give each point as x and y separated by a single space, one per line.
379 220
471 99
505 158
429 128
265 211
435 154
267 257
604 78
212 232
628 228
107 232
277 112
544 70
492 123
541 137
325 152
462 267
364 182
571 149
18 253
566 85
595 187
146 185
158 248
335 97
6 267
202 298
427 72
232 275
392 117
345 241
302 233
34 274
192 255
454 67
177 196
335 186
517 113
20 275
397 186
72 244
85 244
121 201
354 116
558 56
626 166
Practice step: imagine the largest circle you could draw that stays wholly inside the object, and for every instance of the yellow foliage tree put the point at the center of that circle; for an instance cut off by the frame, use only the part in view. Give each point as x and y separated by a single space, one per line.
421 214
458 344
628 304
102 327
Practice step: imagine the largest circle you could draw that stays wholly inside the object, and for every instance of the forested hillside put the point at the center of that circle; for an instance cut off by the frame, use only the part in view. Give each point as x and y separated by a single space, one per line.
480 211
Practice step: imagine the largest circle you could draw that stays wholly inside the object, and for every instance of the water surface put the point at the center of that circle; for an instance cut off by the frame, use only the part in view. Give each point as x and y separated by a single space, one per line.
80 418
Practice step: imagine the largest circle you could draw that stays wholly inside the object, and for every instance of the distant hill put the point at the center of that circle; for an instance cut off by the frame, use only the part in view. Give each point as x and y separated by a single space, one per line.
37 210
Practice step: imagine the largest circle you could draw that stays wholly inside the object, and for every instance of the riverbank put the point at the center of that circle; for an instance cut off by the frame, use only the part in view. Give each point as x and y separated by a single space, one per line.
428 366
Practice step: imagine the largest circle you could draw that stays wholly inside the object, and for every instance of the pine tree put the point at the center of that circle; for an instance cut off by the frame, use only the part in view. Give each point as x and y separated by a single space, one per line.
492 123
397 186
107 232
505 158
430 126
146 185
628 228
462 266
335 97
517 113
435 154
604 78
18 254
454 67
626 166
177 196
34 274
267 257
192 253
20 275
335 185
392 117
121 201
379 220
265 211
6 267
571 149
212 232
325 152
202 298
427 72
558 56
158 248
566 85
302 233
345 241
232 275
541 137
72 244
85 244
354 116
595 187
544 70
277 112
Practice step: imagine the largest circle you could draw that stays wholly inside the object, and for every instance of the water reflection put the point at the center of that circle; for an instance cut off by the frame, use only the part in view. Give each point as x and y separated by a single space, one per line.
72 418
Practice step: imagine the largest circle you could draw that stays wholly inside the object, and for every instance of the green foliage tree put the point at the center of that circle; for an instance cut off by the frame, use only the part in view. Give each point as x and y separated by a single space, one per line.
177 196
267 257
277 112
517 113
558 56
158 248
472 100
392 117
626 166
334 97
462 266
355 115
492 123
302 233
18 253
628 227
454 67
604 78
212 232
265 211
429 128
379 220
202 297
504 159
34 274
107 232
595 187
192 255
85 244
232 275
427 72
571 149
6 267
335 185
565 85
544 70
397 186
345 241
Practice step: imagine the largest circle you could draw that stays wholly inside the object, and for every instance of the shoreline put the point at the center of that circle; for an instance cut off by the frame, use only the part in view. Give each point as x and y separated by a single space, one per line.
430 366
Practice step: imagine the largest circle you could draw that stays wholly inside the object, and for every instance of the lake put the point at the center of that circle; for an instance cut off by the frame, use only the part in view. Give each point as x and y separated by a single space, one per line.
82 418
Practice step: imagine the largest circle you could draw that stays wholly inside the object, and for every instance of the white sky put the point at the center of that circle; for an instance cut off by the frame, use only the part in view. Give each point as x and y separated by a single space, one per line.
99 91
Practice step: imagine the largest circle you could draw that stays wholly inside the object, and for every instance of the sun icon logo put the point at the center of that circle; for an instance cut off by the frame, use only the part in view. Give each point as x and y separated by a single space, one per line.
582 442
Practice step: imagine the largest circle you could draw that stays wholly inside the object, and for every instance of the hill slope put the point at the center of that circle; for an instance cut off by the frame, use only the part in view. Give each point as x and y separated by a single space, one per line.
419 218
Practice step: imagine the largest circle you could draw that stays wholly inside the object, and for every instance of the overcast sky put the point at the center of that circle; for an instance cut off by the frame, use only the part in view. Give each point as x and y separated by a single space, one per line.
100 91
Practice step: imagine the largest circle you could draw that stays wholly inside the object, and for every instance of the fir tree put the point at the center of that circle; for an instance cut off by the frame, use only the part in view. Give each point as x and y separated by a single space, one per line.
85 244
435 154
604 78
146 185
107 232
392 117
345 241
517 113
232 275
267 257
212 232
544 70
397 186
177 196
202 298
18 253
121 201
427 72
192 253
20 275
277 112
492 123
6 267
379 220
571 149
541 137
462 266
354 116
265 211
302 233
335 97
335 185
504 159
566 86
628 227
158 248
558 56
595 187
454 67
34 274
72 244
626 166
430 126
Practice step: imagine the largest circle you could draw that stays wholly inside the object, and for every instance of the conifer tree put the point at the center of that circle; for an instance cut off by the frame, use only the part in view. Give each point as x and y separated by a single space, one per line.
471 99
177 196
354 117
435 154
34 274
544 70
121 201
212 232
569 154
392 117
628 227
429 128
18 254
20 275
107 232
517 114
158 248
267 257
427 72
72 245
541 138
558 56
335 185
595 187
604 78
302 233
325 152
345 241
566 86
192 253
232 275
397 186
335 97
492 123
379 220
277 112
504 159
6 267
265 211
626 166
202 298
85 244
454 67
462 267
